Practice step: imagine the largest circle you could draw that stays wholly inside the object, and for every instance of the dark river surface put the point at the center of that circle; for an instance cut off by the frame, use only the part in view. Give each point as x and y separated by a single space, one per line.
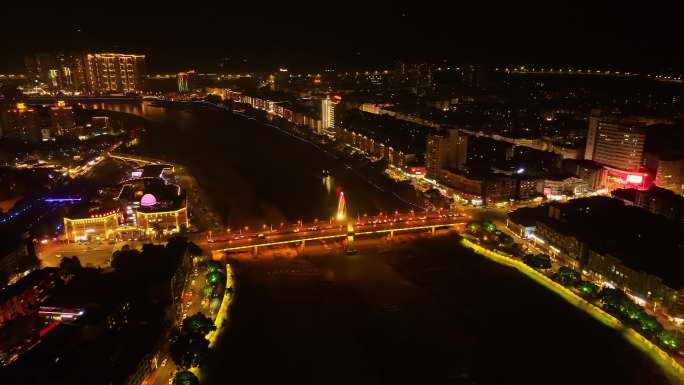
417 310
253 173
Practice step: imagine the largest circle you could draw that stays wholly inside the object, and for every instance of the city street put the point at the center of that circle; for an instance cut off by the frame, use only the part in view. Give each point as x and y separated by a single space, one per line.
191 303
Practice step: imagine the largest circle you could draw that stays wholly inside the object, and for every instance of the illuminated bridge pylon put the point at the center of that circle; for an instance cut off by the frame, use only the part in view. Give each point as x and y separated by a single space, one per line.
350 238
341 207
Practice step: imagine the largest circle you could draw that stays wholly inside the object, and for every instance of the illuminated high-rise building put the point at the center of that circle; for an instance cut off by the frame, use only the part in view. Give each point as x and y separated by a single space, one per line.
618 141
57 71
445 149
114 72
591 134
328 106
88 73
619 144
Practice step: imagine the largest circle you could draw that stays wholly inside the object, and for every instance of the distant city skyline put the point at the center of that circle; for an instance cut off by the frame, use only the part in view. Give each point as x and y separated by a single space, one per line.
235 38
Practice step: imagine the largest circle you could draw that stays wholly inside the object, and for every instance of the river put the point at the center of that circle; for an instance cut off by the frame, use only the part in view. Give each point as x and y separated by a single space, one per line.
422 311
253 173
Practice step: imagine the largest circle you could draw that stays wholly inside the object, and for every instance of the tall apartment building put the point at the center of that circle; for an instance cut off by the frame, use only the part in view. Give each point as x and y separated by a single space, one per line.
616 143
23 124
670 174
445 149
594 119
33 124
620 145
59 71
328 106
114 72
88 73
475 75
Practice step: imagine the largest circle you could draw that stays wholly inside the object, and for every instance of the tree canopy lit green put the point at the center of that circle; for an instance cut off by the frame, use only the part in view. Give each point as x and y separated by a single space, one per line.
213 277
539 261
198 323
567 276
189 350
185 378
669 339
587 289
619 304
212 266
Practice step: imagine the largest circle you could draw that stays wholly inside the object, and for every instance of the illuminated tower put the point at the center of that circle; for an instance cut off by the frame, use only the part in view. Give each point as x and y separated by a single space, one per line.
341 207
350 238
182 79
328 106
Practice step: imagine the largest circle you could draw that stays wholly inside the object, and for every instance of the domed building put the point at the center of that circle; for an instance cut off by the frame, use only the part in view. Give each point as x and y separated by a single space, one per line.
149 204
154 206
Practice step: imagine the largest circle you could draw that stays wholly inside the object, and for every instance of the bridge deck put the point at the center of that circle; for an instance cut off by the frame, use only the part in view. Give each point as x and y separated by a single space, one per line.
340 234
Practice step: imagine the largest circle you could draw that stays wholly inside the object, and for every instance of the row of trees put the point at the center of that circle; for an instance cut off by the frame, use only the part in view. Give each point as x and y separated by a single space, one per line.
537 261
621 306
613 301
617 303
190 347
487 231
570 277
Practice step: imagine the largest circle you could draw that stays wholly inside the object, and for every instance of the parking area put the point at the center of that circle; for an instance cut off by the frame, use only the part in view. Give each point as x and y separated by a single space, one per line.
91 254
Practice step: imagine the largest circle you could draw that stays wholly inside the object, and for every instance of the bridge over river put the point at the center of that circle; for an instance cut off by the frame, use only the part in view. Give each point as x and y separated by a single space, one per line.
373 226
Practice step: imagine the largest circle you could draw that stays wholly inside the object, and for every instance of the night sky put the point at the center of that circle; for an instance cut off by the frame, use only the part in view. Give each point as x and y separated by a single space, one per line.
339 34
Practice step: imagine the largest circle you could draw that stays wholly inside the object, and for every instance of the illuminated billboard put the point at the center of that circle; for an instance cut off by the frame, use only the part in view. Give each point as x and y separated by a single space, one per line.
615 179
634 179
